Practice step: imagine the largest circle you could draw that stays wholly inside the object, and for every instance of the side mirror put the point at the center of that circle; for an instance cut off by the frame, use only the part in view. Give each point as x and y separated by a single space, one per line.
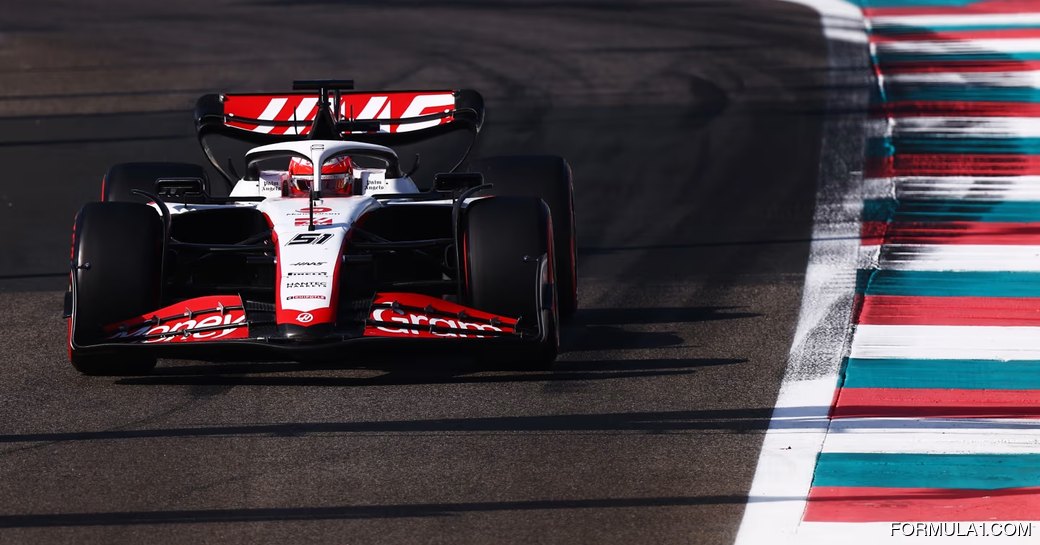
457 181
174 188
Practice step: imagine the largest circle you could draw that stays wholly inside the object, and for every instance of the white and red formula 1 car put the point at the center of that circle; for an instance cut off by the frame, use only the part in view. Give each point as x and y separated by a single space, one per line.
325 245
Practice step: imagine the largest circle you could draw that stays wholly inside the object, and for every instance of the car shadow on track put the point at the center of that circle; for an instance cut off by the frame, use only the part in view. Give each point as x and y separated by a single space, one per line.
348 512
424 372
605 328
746 420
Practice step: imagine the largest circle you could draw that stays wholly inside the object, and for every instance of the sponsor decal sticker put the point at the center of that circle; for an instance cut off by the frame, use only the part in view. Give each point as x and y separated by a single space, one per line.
229 319
306 297
311 273
290 285
309 238
301 110
412 319
304 317
300 222
318 211
308 263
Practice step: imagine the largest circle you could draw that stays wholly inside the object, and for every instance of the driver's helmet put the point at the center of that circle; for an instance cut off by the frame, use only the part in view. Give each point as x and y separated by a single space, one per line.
337 176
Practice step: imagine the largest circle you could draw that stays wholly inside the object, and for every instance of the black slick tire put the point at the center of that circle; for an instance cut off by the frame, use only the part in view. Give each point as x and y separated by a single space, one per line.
117 253
504 238
549 178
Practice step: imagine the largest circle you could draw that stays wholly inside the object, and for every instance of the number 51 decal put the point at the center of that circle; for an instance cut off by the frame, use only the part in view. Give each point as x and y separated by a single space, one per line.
309 238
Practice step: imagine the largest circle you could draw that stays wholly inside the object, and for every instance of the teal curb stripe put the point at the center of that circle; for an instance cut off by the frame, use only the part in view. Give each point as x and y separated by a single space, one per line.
885 146
953 471
943 211
884 57
947 374
880 146
954 284
961 93
879 209
896 30
863 279
967 145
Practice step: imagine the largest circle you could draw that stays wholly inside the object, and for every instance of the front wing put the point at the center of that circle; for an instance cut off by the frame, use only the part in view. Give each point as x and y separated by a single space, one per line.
224 327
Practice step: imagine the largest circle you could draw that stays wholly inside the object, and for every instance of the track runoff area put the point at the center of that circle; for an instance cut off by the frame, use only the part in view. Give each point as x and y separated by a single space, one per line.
911 406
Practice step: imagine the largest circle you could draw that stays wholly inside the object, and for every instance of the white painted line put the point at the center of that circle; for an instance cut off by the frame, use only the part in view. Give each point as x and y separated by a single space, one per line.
969 126
1014 45
946 342
776 499
934 436
795 436
879 188
796 432
960 257
959 19
1017 78
980 188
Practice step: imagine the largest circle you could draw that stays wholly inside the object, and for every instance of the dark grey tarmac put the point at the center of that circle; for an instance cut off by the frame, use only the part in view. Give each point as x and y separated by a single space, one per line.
694 132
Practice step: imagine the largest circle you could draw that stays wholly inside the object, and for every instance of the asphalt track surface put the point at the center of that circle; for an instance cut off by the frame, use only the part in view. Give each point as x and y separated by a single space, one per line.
694 132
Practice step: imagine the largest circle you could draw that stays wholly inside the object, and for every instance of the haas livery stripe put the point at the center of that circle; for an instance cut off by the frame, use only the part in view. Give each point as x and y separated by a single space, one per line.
194 320
294 112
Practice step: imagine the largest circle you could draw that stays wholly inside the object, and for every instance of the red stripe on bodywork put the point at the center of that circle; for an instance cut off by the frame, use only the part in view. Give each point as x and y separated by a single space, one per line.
872 504
980 311
953 164
960 66
927 108
936 403
953 232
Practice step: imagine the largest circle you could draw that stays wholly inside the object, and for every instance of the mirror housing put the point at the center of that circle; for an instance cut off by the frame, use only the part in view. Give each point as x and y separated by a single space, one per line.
176 188
457 181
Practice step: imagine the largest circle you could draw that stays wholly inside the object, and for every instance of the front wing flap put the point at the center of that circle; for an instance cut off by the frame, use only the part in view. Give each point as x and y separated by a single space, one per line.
226 327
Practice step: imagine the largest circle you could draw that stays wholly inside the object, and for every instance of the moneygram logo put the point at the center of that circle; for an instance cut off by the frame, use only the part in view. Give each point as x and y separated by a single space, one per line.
184 331
410 322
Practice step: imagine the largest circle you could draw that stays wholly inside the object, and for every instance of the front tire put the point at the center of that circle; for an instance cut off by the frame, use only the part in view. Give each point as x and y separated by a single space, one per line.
504 239
549 178
117 254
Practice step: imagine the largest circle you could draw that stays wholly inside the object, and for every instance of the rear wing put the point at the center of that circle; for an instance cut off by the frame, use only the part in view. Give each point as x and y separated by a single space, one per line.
440 126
